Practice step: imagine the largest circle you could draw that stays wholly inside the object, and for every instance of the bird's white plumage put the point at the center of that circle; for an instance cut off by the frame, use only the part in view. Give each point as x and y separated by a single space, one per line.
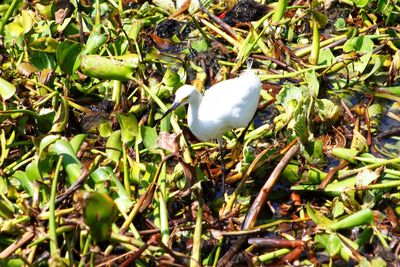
226 105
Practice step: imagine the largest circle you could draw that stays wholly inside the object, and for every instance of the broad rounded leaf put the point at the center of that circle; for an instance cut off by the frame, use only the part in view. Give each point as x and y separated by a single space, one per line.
7 90
67 56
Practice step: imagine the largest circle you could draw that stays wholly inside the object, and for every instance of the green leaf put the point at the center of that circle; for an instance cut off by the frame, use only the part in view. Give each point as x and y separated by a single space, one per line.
112 68
45 120
105 129
361 3
33 170
129 126
346 154
337 209
105 174
301 129
44 44
114 146
149 136
94 42
7 90
326 57
25 182
61 117
77 141
312 82
71 163
317 217
200 45
67 56
46 141
365 46
331 243
99 213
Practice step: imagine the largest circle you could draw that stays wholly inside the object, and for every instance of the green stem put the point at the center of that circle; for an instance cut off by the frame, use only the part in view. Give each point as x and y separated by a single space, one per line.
348 173
52 207
85 250
196 249
163 211
8 14
280 9
127 184
313 59
97 19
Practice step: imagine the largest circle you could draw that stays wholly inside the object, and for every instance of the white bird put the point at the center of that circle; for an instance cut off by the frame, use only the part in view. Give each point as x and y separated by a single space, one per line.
225 106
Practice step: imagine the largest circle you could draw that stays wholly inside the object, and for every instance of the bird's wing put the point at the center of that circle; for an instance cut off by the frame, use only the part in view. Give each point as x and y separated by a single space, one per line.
230 102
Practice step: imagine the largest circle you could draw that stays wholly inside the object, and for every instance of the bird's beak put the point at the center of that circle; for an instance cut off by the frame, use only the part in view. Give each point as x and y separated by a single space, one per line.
171 108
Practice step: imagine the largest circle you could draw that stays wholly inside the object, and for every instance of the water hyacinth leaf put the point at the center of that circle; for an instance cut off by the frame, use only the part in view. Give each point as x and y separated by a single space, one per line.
105 129
25 20
346 154
362 217
105 174
61 117
167 5
317 217
200 45
25 182
326 57
129 126
7 89
17 262
149 136
46 141
378 63
44 44
33 170
99 212
300 128
361 3
111 68
94 42
289 93
319 17
77 141
171 78
328 111
43 60
67 56
14 34
347 246
312 82
331 243
337 208
114 146
363 45
71 163
45 119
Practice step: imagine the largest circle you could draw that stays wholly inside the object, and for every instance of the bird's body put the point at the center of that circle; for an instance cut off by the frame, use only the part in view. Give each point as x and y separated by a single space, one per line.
226 105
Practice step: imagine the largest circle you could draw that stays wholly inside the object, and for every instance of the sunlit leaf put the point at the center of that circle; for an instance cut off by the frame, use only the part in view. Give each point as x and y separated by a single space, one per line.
149 136
129 126
114 146
7 90
331 243
361 217
70 162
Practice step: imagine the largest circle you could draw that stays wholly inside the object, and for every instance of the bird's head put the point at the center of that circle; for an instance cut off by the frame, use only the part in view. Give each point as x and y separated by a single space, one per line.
184 95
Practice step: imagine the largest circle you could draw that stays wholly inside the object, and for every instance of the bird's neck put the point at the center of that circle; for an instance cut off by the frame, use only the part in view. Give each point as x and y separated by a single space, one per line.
193 111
